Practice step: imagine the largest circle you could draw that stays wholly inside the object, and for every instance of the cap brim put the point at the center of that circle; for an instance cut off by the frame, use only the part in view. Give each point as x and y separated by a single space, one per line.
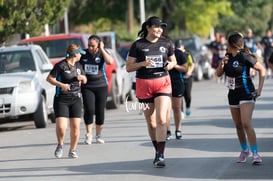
81 51
163 25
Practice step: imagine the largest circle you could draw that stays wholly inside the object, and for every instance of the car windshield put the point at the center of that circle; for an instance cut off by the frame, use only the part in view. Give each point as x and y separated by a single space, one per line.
57 48
16 61
189 43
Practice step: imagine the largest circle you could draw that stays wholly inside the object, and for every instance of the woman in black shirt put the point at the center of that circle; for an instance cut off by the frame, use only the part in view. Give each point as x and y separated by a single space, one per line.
67 76
152 57
242 93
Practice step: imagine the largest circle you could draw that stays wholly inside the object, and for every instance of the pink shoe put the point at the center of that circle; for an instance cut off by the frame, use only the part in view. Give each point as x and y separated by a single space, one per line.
243 156
256 159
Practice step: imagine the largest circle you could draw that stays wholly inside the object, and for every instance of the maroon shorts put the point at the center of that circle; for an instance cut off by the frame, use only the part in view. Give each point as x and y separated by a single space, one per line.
148 89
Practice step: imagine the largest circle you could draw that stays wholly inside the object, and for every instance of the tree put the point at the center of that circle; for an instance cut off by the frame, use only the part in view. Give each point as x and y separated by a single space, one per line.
28 16
254 14
196 17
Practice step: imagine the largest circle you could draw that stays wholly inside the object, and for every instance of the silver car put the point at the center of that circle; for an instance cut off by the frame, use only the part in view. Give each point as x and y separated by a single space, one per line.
24 91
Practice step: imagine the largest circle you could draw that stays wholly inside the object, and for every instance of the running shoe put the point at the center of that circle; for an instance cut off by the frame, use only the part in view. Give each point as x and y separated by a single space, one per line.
59 151
169 135
243 156
188 112
182 115
256 159
88 139
159 162
178 135
99 140
155 158
73 154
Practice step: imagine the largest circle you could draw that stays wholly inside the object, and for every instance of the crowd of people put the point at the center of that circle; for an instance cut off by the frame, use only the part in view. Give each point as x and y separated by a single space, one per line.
163 79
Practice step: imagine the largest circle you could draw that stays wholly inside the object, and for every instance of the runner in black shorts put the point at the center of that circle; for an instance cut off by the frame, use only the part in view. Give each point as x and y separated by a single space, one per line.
178 88
152 57
95 92
242 93
67 76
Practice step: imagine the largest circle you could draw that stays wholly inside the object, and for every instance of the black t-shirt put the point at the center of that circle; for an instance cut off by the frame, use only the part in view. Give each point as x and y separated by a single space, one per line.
267 41
94 67
67 75
181 59
237 71
158 51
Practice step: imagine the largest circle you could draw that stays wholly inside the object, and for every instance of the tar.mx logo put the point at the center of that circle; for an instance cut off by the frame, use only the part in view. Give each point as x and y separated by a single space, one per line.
134 106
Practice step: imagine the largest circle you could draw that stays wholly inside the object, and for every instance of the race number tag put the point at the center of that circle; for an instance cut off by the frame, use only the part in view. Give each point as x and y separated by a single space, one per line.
91 69
230 82
157 61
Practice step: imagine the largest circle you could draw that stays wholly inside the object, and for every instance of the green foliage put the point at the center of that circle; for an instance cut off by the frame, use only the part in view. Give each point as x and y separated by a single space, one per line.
86 11
254 14
184 17
197 17
28 16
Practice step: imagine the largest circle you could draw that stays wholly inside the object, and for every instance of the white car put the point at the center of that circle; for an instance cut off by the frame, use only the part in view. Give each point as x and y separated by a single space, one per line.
24 91
122 82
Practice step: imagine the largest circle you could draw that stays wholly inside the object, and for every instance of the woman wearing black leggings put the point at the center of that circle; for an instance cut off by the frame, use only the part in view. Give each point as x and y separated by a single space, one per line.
94 92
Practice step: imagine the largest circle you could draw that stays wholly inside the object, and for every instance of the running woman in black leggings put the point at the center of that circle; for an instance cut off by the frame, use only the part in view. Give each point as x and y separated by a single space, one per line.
67 76
94 92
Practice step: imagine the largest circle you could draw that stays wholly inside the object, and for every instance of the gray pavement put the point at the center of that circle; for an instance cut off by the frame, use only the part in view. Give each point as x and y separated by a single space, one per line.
207 151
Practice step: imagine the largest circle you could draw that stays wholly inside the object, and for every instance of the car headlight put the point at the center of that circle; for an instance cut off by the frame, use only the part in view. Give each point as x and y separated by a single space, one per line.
26 86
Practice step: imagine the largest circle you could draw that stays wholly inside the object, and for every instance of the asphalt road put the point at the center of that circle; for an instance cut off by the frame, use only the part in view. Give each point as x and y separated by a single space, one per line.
207 151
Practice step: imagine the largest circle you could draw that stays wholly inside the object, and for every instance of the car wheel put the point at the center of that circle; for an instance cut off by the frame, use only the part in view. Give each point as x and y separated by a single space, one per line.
132 95
199 73
40 116
114 103
209 74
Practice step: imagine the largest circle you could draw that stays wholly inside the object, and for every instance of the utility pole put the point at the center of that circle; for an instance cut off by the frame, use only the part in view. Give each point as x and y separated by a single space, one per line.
66 26
131 16
142 11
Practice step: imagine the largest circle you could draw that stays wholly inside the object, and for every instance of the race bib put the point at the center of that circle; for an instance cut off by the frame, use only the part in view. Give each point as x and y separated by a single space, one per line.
230 82
157 61
91 69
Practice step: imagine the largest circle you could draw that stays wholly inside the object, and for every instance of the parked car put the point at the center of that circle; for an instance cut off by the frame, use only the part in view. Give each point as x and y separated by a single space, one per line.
55 46
124 48
24 91
201 56
124 81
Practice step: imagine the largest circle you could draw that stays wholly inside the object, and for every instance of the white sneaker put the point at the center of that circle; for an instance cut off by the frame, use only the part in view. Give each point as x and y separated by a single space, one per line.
99 140
88 139
182 115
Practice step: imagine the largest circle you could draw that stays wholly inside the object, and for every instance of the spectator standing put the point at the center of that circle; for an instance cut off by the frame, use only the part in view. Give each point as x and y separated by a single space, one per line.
251 44
221 52
267 42
213 47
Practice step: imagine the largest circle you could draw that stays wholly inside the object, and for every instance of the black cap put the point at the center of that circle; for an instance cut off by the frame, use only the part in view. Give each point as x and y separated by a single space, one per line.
156 21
